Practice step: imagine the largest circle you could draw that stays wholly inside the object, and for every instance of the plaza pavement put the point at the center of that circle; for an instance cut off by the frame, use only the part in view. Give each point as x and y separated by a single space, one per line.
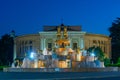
60 75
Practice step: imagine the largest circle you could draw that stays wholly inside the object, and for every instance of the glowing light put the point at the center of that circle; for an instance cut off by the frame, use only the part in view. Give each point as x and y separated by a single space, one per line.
92 54
32 55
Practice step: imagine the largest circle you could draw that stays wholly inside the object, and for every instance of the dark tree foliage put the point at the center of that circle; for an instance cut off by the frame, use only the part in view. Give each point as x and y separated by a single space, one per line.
6 49
115 35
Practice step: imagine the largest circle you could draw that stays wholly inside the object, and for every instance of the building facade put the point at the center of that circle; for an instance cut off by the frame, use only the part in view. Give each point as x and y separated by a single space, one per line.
37 42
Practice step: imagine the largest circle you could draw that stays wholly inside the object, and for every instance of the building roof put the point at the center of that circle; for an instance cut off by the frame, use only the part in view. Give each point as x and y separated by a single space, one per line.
69 28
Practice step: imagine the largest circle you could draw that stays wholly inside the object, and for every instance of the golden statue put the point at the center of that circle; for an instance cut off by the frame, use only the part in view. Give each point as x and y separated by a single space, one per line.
59 32
62 40
65 33
78 50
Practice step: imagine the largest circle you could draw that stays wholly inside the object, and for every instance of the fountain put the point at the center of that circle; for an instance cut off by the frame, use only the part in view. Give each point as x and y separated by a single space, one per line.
26 63
45 52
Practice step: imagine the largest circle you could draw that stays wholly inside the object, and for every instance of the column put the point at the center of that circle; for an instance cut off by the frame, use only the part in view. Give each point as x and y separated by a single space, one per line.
44 44
81 43
35 63
14 54
109 52
41 43
70 38
89 43
70 43
107 47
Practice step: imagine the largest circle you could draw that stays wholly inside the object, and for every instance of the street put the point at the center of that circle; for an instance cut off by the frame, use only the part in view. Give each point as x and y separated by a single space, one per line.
59 75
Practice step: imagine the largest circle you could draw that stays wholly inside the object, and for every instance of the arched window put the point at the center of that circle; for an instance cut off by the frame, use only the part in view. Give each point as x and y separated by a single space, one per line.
22 42
50 46
31 48
30 42
94 41
98 41
102 42
25 42
74 46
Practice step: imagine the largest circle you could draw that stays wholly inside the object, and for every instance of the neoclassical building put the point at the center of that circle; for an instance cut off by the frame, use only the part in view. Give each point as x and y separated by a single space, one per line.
46 39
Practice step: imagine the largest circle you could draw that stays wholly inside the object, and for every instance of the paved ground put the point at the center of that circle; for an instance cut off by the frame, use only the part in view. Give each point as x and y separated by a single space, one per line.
59 76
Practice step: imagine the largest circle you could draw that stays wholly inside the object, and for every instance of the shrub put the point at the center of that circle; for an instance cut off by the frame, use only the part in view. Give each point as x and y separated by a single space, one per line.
1 67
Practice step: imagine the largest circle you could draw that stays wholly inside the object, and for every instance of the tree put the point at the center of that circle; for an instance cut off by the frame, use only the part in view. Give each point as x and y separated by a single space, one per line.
118 62
107 61
6 50
115 42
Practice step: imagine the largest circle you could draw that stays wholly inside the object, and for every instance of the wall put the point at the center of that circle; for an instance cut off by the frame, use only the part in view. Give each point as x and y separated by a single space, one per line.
41 40
25 44
104 42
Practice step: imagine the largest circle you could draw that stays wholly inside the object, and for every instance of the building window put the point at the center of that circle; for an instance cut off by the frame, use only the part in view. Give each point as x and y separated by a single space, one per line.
94 42
74 46
104 49
25 42
20 50
22 42
30 48
102 42
50 46
30 42
23 48
98 43
26 48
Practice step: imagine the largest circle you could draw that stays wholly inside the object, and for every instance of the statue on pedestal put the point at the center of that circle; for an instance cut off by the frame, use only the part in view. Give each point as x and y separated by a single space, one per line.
65 33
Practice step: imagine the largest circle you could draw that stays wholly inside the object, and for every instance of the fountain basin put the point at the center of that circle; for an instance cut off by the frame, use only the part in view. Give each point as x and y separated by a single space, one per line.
107 69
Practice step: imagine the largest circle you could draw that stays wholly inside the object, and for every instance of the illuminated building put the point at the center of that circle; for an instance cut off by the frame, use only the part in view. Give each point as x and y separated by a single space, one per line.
67 42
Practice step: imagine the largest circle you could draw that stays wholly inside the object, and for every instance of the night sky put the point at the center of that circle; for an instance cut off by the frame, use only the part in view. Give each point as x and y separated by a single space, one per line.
29 16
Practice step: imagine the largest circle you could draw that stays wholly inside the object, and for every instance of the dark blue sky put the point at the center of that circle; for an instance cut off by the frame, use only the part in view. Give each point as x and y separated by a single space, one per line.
29 16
